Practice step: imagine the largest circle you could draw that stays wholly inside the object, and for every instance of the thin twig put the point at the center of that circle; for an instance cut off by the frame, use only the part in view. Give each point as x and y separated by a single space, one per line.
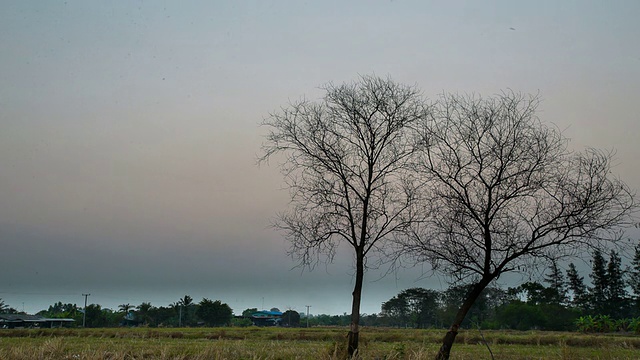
485 341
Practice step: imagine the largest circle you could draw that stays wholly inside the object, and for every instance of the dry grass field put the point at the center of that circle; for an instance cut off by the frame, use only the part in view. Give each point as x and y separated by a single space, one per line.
314 343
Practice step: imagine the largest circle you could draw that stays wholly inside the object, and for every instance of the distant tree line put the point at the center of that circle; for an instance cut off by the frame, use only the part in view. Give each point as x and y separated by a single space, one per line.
184 312
559 301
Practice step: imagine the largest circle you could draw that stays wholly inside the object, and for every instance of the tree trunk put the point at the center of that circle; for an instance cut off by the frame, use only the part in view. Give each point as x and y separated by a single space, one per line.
354 330
449 338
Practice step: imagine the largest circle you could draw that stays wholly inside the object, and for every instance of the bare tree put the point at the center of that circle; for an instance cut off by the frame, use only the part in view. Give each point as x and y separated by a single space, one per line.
505 191
345 161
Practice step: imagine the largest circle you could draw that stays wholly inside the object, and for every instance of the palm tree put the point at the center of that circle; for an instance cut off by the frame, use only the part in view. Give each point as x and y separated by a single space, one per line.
183 306
143 312
70 310
186 301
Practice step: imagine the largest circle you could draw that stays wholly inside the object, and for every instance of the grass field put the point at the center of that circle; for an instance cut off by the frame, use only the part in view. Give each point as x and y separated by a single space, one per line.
314 343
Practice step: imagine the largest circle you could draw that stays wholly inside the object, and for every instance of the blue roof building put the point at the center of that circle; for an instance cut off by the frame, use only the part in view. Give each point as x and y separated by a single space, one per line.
266 318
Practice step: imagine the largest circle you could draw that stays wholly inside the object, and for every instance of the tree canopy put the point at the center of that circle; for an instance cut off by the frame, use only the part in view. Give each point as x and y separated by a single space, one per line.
504 191
475 187
345 163
214 313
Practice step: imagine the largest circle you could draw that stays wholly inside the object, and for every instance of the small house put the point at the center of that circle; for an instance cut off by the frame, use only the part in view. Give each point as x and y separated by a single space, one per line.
12 321
266 318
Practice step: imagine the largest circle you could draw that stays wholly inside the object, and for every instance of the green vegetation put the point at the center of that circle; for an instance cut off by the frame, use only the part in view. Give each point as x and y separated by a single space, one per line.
315 343
214 313
182 313
558 303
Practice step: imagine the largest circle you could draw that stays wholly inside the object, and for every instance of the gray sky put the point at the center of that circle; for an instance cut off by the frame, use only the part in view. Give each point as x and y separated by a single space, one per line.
129 130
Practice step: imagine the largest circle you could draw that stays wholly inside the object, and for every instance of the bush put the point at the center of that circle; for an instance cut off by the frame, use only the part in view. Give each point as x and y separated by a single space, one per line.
605 324
241 322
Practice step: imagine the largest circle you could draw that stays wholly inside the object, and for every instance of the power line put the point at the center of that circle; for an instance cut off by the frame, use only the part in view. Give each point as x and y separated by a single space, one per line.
36 293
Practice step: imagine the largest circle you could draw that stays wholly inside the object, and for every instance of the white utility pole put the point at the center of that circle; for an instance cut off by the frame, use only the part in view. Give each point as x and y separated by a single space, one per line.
84 315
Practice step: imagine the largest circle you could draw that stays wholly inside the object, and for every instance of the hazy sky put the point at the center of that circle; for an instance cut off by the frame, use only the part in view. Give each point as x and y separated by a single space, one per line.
129 130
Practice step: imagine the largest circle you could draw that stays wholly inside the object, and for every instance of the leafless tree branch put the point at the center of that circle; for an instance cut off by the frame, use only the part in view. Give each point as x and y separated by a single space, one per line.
346 163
